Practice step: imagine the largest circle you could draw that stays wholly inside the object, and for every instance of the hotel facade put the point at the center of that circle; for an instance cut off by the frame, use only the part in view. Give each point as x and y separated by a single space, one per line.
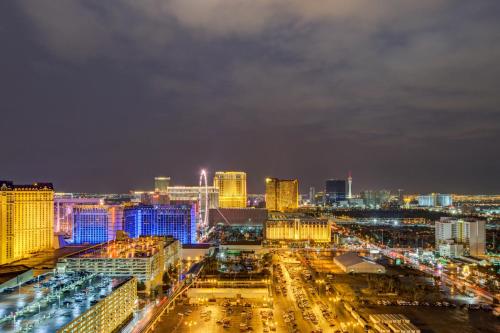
64 203
178 221
232 187
179 194
298 230
282 194
94 224
470 233
26 220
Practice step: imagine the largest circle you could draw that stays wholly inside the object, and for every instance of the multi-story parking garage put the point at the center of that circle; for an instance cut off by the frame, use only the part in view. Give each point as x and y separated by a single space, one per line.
109 314
145 258
76 302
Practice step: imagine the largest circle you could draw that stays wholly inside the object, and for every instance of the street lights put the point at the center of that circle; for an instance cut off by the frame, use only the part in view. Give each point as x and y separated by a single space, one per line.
319 283
190 324
214 284
334 300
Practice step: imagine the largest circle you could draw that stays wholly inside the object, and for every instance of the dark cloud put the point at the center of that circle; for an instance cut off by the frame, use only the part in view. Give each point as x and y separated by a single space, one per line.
101 96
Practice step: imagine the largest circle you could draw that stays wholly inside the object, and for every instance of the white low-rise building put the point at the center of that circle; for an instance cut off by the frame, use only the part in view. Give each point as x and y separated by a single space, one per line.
450 249
352 263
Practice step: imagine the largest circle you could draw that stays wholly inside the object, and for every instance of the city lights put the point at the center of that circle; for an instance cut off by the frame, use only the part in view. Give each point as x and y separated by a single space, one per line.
262 166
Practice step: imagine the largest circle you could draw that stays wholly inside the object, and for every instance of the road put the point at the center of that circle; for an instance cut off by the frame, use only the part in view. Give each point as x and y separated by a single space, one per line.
400 253
488 297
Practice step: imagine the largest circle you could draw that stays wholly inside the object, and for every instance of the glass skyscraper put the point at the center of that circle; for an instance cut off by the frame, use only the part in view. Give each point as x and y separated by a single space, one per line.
162 184
334 190
282 194
232 186
178 221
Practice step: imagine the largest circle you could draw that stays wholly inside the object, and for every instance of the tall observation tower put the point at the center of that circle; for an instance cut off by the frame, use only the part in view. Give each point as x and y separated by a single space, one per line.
349 182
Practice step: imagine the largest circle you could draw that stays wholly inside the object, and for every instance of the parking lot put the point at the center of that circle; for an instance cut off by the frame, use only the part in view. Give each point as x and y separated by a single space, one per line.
297 307
48 303
316 310
220 316
303 303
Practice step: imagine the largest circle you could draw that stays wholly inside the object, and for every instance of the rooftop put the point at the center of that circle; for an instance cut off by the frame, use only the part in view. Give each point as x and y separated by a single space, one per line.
142 247
7 185
44 306
197 246
237 216
8 272
242 242
349 259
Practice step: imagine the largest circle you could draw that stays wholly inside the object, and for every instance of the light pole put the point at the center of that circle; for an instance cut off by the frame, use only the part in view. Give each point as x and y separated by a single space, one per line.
190 324
214 281
334 300
319 283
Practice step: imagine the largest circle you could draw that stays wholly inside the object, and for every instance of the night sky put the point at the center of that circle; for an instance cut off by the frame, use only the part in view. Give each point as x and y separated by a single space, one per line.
101 96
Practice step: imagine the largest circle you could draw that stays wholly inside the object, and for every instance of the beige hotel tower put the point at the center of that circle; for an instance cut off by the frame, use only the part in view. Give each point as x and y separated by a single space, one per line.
26 219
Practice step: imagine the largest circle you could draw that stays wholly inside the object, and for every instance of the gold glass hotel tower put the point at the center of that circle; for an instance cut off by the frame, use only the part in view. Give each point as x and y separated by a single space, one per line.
26 219
282 194
162 184
232 187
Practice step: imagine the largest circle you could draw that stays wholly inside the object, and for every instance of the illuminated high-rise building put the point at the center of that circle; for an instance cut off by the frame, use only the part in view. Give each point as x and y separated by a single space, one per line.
193 193
178 221
154 198
444 200
162 184
312 194
282 194
317 230
435 200
63 211
349 182
96 224
272 193
232 187
334 191
375 199
26 219
471 233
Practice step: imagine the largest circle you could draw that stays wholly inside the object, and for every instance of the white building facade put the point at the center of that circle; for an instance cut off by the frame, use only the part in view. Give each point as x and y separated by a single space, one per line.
470 233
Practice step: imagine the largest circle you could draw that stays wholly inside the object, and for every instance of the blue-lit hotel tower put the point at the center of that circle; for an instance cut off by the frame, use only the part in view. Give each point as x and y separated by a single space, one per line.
96 224
178 221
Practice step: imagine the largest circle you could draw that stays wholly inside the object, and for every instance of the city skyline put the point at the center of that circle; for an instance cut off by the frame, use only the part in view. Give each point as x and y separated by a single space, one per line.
225 166
256 186
101 97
